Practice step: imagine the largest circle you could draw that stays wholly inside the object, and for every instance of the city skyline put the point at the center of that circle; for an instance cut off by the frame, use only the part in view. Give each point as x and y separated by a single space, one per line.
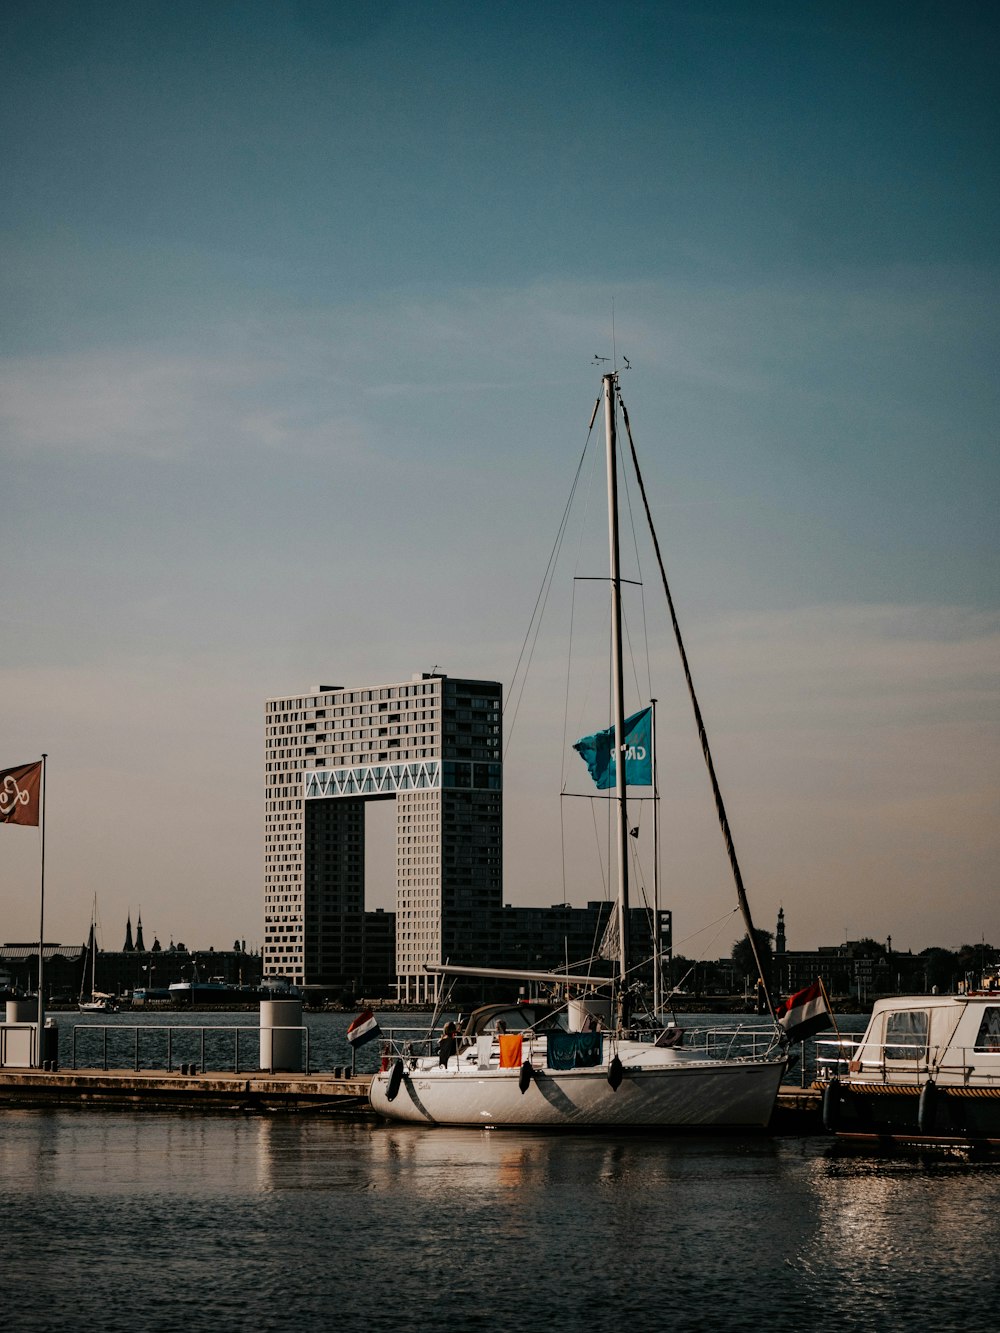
301 310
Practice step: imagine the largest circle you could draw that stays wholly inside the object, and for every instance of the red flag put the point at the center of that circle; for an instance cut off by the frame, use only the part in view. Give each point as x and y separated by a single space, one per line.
20 794
805 1012
364 1028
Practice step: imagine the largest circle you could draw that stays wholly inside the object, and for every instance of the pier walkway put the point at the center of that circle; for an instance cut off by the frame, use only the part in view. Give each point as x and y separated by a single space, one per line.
158 1090
798 1110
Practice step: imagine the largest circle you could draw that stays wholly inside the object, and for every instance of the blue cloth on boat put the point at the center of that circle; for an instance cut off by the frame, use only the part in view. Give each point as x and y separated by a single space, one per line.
574 1050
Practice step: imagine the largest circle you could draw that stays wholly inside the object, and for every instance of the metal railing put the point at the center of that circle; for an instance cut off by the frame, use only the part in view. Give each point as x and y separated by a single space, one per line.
175 1031
866 1060
740 1043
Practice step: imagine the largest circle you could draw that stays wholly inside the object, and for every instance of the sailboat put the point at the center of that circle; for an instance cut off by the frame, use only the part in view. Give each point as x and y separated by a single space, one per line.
99 1002
582 1064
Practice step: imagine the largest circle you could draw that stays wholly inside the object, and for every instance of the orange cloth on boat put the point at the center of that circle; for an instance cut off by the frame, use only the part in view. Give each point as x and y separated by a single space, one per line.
510 1050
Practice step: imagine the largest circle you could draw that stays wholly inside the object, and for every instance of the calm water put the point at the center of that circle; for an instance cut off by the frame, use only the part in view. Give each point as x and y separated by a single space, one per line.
124 1221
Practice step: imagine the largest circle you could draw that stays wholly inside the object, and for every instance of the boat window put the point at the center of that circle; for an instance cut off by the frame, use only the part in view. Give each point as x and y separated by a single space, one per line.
989 1031
906 1034
512 1020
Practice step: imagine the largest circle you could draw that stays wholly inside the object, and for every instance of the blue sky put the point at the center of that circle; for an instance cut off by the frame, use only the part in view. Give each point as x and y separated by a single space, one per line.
300 302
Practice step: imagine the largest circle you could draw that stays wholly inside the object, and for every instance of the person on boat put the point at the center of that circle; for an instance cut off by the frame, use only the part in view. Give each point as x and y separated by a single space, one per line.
448 1045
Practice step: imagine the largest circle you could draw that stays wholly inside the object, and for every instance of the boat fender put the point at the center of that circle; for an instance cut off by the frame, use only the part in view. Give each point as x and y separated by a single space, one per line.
831 1106
524 1082
615 1073
395 1079
927 1107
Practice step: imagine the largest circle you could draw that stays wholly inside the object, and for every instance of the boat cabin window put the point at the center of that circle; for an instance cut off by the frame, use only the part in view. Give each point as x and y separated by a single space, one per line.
989 1031
906 1034
521 1020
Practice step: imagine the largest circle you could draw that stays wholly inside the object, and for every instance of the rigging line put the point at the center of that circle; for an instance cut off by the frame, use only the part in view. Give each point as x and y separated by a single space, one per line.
700 724
563 777
710 945
632 656
639 581
638 877
600 854
543 592
564 751
578 578
695 934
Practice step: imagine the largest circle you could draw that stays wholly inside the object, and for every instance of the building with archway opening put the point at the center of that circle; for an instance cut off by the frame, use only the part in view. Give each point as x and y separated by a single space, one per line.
433 746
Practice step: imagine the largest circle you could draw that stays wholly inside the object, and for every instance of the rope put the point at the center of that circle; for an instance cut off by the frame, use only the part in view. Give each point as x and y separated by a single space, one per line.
534 624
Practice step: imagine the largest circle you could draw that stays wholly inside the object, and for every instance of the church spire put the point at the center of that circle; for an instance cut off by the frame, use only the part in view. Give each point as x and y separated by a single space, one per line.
140 947
129 946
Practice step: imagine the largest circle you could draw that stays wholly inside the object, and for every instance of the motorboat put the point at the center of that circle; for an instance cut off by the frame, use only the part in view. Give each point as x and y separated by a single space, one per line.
926 1072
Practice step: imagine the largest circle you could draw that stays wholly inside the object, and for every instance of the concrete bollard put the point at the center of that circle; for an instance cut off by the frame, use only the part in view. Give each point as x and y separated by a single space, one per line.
50 1045
22 1011
281 1051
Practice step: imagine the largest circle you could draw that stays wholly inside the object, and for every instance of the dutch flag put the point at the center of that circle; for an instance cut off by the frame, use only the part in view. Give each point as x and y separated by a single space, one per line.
805 1012
364 1028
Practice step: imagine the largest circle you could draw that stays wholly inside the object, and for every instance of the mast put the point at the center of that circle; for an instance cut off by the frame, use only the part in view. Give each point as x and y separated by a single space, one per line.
610 383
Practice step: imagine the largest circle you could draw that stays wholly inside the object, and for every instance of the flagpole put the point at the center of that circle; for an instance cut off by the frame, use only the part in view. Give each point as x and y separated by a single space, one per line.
657 941
41 932
829 1008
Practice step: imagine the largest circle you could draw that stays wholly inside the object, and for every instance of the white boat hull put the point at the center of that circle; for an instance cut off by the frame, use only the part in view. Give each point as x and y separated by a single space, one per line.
712 1094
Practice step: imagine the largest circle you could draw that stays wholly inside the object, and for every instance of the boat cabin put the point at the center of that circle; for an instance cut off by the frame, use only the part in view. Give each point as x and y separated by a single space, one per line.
954 1039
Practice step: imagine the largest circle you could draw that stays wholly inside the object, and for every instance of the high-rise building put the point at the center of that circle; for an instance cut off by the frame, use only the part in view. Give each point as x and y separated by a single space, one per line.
431 744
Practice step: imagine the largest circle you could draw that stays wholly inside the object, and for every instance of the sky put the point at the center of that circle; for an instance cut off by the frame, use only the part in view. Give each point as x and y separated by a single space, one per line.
300 304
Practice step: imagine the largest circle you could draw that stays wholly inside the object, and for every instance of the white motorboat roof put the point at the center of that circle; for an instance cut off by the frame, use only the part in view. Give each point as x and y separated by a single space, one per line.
898 1002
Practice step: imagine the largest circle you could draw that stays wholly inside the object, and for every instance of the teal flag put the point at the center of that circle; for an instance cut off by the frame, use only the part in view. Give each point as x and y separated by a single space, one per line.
597 752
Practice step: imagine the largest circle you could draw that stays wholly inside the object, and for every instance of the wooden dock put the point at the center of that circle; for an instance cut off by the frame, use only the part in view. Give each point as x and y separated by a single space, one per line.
798 1110
160 1090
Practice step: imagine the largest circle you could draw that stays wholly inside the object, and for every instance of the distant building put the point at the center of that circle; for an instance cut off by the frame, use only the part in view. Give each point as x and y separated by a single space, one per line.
68 969
121 972
861 967
555 937
431 745
63 967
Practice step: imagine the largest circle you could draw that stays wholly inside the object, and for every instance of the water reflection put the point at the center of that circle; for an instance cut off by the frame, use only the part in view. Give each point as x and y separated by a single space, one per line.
453 1228
913 1225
